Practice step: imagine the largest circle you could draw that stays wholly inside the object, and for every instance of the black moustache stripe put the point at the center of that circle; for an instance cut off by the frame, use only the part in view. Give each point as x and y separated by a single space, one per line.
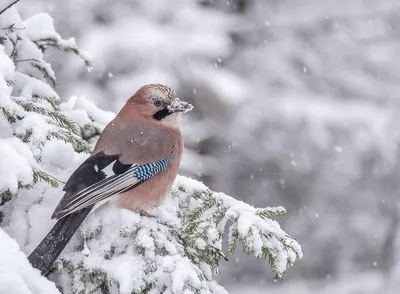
159 115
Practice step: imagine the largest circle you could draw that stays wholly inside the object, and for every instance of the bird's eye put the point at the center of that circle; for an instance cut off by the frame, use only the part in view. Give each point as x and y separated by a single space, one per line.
157 103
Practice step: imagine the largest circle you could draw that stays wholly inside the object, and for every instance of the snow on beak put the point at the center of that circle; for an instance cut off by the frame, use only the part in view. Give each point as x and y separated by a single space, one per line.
179 106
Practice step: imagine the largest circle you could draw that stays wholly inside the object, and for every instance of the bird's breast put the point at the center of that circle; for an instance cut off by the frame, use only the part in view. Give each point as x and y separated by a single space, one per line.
152 192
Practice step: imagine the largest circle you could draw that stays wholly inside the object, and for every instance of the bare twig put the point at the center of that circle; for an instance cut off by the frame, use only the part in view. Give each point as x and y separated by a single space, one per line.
12 27
14 51
57 180
9 6
29 59
219 252
71 271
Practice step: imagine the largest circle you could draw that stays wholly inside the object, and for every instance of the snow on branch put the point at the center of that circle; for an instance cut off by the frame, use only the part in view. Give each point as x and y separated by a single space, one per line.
16 274
175 251
29 106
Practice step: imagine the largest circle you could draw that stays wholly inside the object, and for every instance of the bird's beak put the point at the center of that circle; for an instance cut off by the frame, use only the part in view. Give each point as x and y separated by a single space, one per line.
179 106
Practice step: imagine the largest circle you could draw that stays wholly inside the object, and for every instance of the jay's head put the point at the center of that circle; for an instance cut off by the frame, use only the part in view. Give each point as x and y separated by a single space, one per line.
159 103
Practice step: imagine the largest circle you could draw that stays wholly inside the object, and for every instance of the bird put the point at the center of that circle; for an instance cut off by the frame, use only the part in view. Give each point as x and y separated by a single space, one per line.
134 162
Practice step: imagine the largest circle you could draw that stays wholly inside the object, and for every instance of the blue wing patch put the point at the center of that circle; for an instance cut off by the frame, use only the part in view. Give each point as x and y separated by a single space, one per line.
113 185
143 172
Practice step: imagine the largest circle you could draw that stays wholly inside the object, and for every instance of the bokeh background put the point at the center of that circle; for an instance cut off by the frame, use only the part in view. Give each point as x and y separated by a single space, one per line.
296 104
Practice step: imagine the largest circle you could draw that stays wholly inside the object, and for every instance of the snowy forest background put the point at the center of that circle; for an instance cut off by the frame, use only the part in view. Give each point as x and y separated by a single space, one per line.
296 104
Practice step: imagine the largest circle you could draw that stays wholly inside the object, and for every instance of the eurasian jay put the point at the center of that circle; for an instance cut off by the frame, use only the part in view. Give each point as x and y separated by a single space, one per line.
135 160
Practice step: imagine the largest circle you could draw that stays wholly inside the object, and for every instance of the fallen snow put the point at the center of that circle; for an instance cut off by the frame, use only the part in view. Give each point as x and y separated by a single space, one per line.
17 163
40 26
17 276
122 248
83 111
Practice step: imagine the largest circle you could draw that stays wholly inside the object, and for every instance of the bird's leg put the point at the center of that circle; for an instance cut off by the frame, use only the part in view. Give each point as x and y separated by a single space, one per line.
145 213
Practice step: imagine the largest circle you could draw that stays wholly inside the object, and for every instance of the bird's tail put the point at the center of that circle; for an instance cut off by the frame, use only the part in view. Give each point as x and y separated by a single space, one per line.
55 241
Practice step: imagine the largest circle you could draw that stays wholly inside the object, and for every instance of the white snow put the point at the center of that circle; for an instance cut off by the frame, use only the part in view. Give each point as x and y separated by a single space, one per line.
84 111
141 250
16 164
18 159
7 66
10 17
17 276
40 26
26 86
7 74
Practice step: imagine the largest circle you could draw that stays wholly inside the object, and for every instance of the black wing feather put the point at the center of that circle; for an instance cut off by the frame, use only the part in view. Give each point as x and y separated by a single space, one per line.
89 172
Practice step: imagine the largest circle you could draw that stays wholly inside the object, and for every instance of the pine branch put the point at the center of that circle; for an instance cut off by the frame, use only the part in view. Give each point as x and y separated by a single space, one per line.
89 131
158 245
53 42
7 195
11 119
28 59
2 40
45 72
271 212
14 53
41 175
53 101
77 143
61 119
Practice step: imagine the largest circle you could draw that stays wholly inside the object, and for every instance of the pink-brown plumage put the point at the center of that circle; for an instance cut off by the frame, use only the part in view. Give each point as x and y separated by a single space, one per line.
139 139
153 191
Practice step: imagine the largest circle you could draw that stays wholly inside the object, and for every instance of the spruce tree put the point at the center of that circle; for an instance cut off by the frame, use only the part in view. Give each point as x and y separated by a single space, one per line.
115 251
28 102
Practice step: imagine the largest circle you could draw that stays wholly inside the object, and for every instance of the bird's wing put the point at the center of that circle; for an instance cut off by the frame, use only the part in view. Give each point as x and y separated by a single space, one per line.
138 142
134 160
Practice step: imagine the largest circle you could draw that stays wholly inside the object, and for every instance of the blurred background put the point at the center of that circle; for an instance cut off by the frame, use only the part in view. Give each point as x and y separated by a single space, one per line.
296 104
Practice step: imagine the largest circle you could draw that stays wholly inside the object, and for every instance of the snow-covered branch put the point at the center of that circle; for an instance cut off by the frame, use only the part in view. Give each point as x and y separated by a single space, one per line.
29 106
16 273
175 251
